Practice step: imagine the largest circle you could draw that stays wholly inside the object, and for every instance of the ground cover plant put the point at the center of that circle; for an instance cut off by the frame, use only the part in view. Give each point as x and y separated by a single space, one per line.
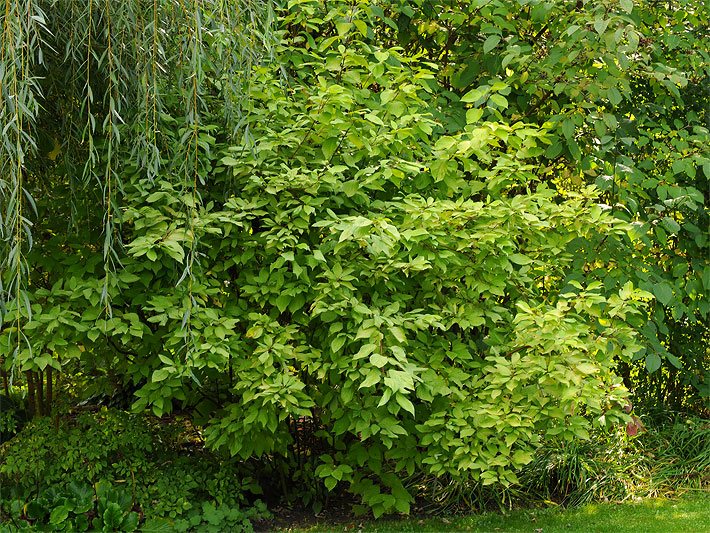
112 471
421 253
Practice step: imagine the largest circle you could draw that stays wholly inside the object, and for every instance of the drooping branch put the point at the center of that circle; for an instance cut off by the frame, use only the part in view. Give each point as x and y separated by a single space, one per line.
112 88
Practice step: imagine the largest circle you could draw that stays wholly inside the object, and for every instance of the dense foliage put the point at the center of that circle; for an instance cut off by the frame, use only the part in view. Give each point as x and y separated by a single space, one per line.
108 471
442 236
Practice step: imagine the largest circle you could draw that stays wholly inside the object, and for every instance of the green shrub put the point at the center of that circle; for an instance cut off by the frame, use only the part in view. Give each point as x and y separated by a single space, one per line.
12 417
87 448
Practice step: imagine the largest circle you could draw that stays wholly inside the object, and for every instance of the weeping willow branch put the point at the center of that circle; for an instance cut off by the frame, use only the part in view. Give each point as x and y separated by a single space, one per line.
20 53
111 87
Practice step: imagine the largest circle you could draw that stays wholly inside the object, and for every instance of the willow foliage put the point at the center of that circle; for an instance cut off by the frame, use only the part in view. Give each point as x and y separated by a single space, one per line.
89 87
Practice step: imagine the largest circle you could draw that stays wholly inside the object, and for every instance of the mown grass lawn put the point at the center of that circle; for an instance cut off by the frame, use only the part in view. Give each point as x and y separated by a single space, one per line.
688 514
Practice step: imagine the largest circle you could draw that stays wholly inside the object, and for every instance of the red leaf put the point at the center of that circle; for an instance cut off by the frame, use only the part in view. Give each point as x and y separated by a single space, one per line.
632 429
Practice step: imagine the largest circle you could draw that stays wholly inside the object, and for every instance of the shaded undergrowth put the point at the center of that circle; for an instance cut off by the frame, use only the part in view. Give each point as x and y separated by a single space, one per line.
107 469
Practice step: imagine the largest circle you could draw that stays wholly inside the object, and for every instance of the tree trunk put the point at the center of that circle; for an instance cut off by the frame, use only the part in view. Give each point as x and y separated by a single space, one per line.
5 383
48 397
31 401
39 393
59 391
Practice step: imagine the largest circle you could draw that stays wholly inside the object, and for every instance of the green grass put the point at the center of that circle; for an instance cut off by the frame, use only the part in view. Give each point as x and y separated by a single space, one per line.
689 514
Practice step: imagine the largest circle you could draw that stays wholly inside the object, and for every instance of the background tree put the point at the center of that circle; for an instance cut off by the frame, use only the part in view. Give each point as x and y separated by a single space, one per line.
625 86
